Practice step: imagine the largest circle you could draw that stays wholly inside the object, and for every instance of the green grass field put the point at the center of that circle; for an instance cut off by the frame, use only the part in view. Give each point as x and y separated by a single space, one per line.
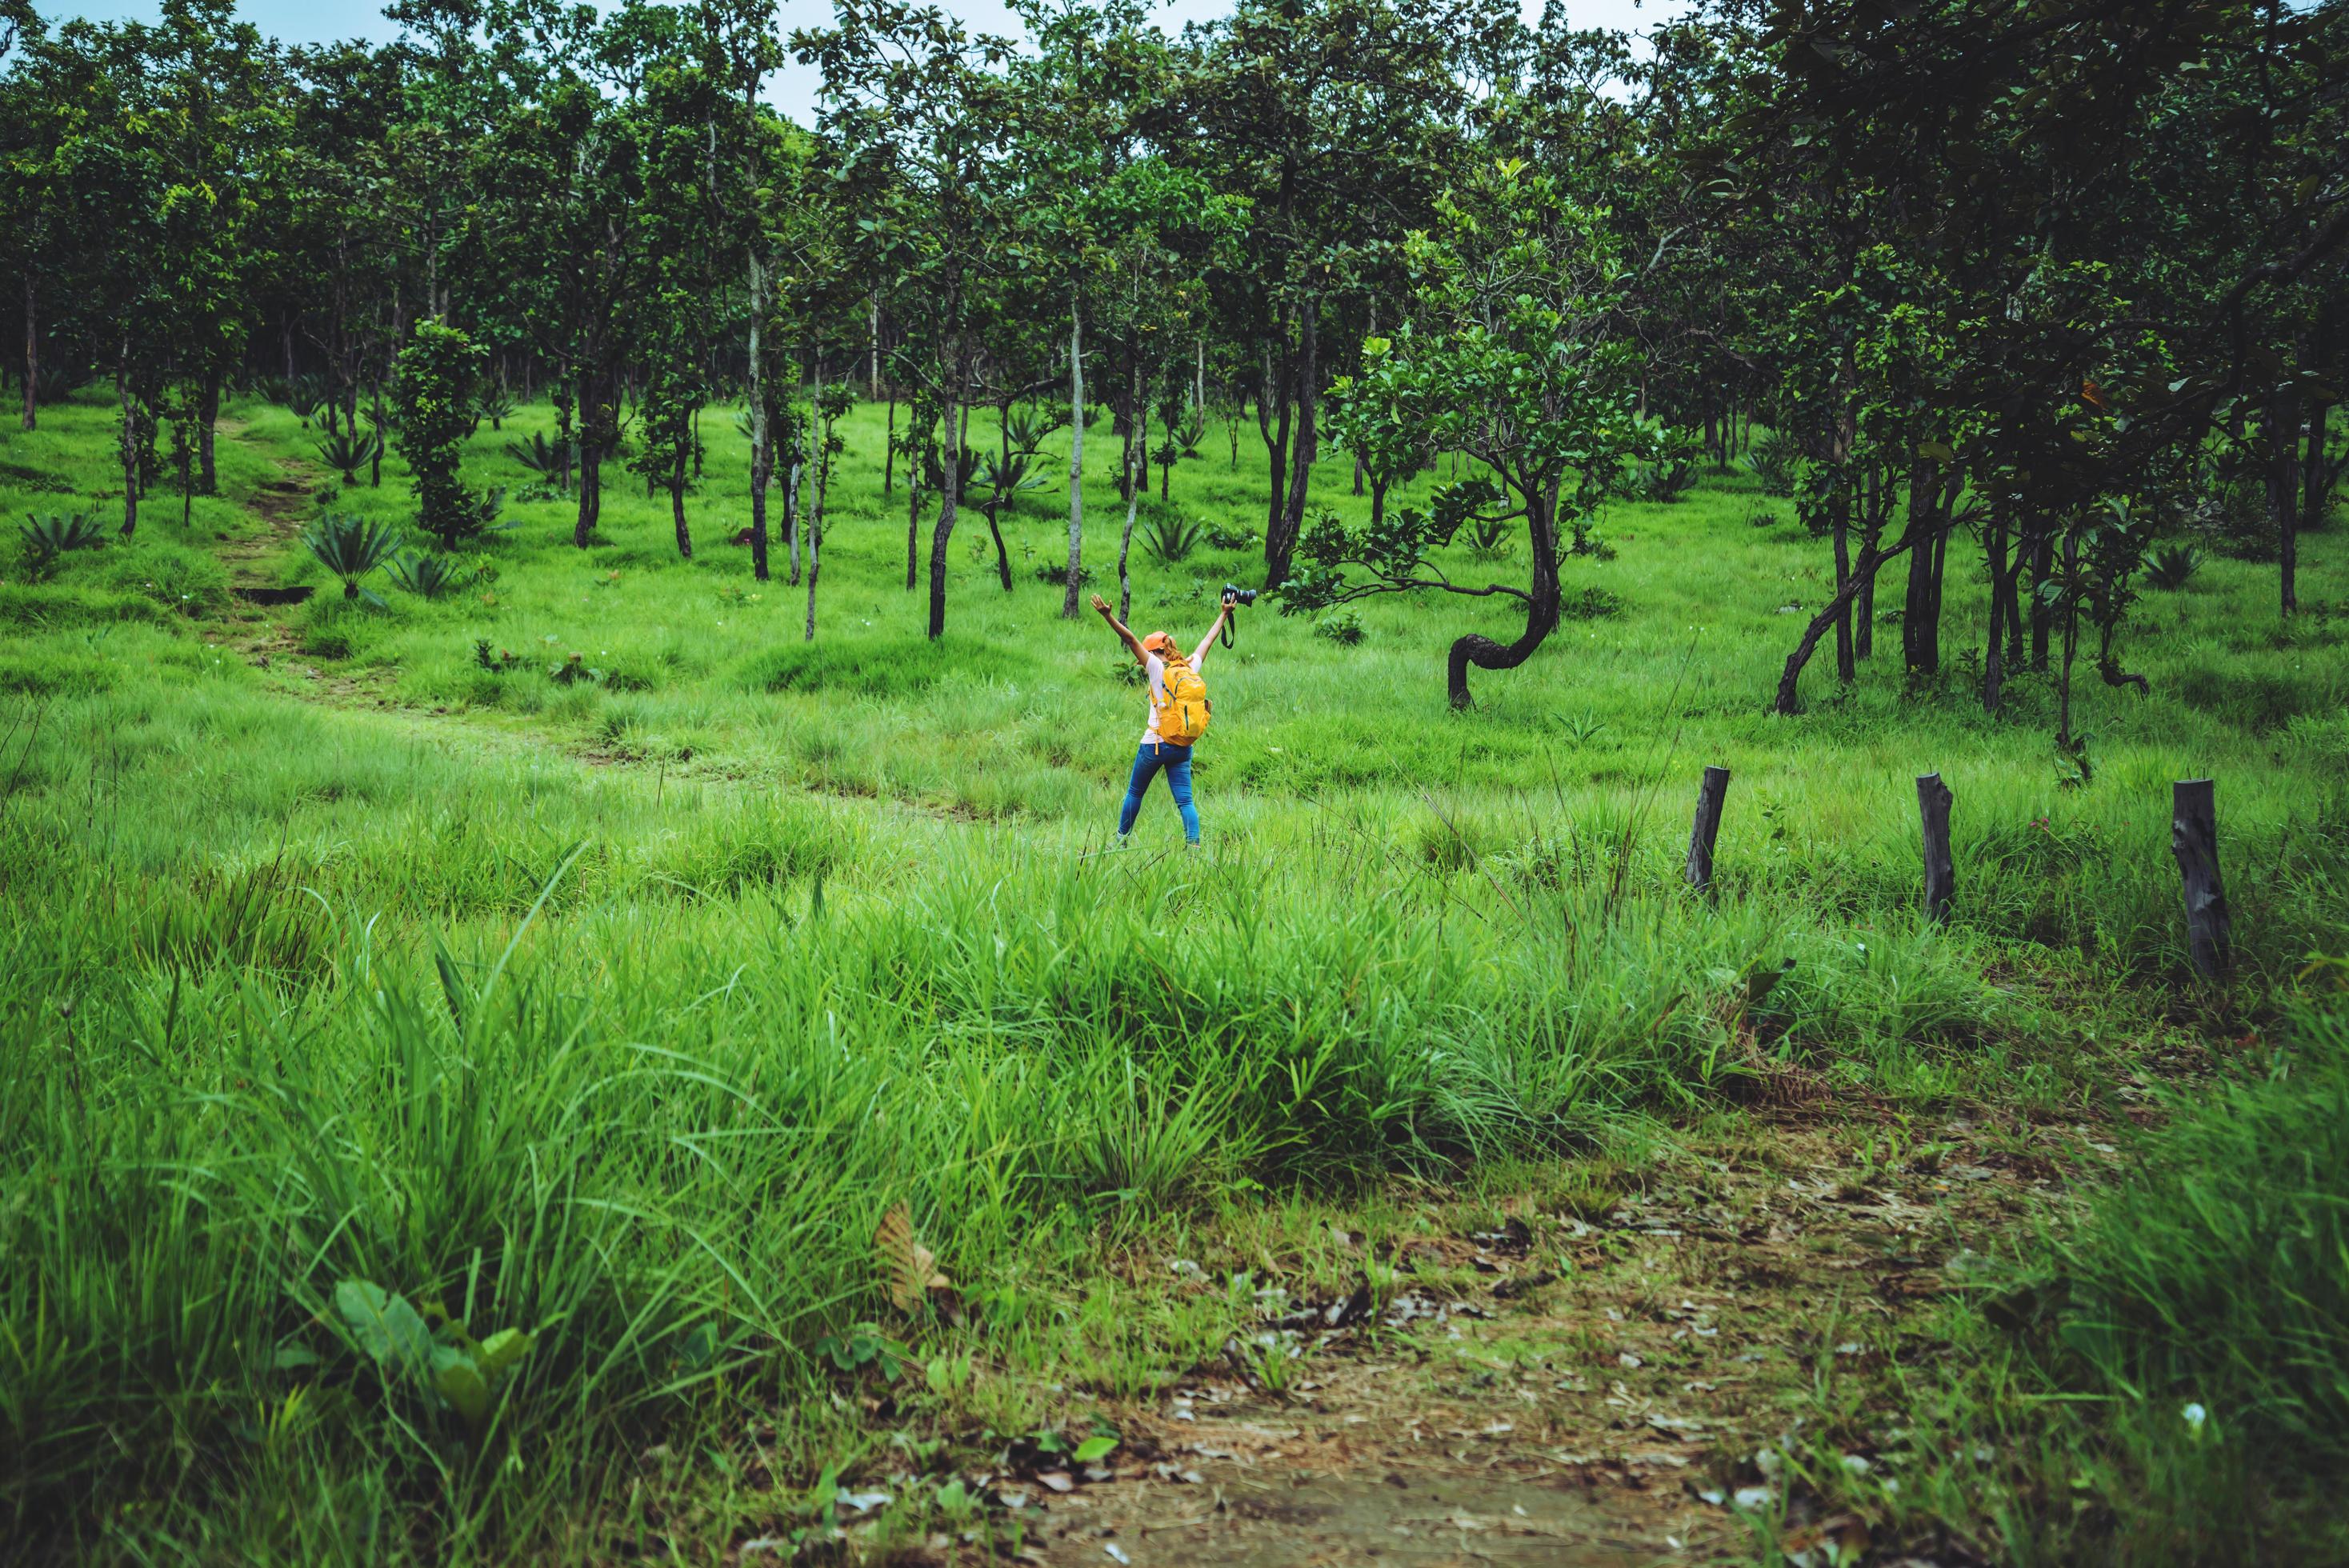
344 944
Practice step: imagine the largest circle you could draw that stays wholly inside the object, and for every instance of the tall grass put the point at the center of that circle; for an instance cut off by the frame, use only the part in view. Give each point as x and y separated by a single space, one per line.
618 1010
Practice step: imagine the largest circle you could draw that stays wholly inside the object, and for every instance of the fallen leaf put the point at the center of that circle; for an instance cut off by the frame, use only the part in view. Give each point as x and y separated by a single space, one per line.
1056 1481
911 1268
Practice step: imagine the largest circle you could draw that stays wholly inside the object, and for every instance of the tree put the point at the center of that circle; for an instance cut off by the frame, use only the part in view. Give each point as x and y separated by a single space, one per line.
433 392
916 105
1510 358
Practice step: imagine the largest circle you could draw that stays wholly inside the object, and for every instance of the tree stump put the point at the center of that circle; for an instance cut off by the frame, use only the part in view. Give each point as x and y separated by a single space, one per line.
1941 876
1709 798
2194 840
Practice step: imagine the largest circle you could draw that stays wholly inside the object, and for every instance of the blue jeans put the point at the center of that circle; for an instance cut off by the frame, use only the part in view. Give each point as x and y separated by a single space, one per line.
1147 761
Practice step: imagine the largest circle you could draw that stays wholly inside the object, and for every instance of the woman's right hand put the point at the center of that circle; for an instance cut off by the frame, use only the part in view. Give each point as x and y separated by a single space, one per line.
1101 603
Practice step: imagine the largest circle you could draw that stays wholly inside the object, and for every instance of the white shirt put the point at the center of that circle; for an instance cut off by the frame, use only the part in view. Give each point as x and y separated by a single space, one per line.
1156 667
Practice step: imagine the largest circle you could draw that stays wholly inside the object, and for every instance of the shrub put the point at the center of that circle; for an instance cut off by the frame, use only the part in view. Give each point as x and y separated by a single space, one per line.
2170 566
346 452
1344 630
433 403
1593 603
2232 517
1489 540
351 547
1056 572
428 576
1218 537
49 535
539 454
1775 462
1172 537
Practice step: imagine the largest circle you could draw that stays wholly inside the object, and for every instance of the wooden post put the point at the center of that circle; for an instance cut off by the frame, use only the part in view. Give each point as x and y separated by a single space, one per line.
1941 876
2194 840
1708 796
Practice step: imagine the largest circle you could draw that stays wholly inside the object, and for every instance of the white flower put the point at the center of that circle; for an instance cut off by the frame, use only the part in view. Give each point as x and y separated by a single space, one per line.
2195 1416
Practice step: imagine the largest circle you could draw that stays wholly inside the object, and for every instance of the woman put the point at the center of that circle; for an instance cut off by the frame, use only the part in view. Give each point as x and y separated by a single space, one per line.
1155 753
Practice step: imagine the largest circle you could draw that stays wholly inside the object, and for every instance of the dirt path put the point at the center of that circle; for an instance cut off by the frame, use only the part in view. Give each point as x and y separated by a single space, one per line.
282 504
1604 1388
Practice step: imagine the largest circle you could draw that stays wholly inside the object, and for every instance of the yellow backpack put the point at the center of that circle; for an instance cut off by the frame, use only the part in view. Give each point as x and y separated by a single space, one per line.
1183 716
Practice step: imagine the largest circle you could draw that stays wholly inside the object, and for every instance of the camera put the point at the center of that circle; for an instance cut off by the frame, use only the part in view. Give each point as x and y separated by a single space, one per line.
1234 595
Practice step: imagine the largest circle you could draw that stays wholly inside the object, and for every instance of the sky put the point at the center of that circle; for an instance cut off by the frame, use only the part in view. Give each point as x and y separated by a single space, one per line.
319 21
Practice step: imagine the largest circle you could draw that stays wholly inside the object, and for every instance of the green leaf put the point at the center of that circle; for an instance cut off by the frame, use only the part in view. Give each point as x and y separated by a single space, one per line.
1092 1450
388 1329
458 1381
504 1348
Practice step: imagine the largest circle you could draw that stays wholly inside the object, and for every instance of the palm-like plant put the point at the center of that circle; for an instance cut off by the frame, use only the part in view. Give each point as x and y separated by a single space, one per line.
347 451
428 576
1191 432
538 454
1170 537
1776 461
1489 540
49 535
1027 428
351 547
2172 565
997 479
497 406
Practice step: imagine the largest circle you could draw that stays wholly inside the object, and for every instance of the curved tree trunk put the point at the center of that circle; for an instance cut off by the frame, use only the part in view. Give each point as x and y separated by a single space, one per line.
1870 563
762 449
995 494
1541 612
676 507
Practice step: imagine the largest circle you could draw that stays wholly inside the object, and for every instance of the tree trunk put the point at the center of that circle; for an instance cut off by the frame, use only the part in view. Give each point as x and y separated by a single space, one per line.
1275 432
1840 527
1863 638
128 440
1541 611
207 417
1277 553
676 507
2283 491
32 352
995 491
1920 638
2042 567
1133 503
762 449
591 454
815 512
792 526
1993 686
1871 561
2070 640
949 493
1076 458
912 522
889 448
